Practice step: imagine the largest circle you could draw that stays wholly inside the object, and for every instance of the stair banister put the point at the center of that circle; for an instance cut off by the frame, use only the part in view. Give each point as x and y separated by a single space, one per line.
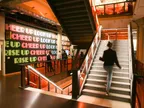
131 66
98 39
30 67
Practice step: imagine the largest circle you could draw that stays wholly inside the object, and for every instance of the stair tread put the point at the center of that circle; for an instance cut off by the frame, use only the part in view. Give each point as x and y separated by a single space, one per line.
106 72
113 67
110 94
103 86
115 82
106 76
99 62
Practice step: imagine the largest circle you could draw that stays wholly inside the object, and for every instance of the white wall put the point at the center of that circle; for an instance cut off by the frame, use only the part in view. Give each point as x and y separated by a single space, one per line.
115 23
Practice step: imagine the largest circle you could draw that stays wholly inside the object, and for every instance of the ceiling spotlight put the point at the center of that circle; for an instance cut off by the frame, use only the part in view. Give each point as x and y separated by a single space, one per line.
2 9
21 13
14 10
12 13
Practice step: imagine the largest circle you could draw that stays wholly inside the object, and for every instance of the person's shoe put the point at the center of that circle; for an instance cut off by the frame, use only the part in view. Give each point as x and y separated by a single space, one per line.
107 93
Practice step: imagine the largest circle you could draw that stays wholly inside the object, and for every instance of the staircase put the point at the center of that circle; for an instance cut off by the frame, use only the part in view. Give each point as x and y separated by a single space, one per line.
120 87
76 19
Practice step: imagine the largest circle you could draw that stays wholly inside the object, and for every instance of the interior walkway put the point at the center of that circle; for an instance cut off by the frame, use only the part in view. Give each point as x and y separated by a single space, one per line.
11 96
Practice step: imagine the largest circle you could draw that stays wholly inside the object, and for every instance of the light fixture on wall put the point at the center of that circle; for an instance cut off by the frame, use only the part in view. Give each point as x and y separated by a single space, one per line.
2 9
21 12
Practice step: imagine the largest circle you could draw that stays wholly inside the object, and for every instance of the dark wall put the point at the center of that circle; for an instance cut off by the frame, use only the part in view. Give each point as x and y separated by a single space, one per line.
26 44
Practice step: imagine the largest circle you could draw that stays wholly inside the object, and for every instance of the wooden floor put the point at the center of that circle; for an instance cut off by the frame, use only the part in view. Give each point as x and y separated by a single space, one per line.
11 96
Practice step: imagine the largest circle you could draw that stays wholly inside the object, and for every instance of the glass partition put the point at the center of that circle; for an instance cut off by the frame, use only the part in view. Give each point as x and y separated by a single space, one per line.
121 8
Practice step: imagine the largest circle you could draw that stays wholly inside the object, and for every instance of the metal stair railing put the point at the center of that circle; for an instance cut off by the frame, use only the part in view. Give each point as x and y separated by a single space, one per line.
130 59
42 82
86 65
132 67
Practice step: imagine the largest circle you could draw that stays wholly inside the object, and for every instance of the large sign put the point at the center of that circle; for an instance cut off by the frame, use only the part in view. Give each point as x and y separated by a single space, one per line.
26 45
65 43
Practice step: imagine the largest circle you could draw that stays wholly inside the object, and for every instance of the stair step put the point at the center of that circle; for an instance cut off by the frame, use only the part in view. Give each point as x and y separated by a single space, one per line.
93 70
121 74
101 64
117 50
113 83
114 78
121 57
118 53
101 94
118 90
114 68
101 54
120 62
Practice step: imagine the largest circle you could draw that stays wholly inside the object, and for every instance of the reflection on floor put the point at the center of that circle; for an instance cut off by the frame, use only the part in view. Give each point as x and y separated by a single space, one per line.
103 102
11 96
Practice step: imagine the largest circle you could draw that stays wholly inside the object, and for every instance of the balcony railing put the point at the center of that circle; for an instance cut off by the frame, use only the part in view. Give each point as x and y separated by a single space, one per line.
36 75
115 9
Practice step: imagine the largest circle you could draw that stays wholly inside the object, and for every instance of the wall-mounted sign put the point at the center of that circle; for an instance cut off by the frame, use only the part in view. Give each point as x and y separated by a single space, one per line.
26 45
65 43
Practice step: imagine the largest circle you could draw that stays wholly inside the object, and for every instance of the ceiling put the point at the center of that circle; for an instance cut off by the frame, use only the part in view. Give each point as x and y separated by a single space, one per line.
38 7
42 8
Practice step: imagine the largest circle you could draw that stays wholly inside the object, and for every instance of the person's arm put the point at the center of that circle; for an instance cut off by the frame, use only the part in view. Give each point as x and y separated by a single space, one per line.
102 58
116 61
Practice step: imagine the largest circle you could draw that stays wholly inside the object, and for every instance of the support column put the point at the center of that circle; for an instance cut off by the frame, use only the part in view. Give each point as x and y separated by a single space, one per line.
140 40
59 41
2 42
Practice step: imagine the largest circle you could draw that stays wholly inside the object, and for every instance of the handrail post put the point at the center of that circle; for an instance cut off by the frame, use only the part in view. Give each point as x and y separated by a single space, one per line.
28 77
48 86
45 67
133 102
92 49
22 77
67 66
61 61
39 82
75 84
86 63
55 90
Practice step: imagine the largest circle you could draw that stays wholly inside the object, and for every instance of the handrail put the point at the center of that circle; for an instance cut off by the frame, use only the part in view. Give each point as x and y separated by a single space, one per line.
132 67
30 67
132 50
130 41
130 60
98 39
91 45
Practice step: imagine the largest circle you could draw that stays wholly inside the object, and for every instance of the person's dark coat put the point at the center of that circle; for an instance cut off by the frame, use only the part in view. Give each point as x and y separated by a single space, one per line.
109 58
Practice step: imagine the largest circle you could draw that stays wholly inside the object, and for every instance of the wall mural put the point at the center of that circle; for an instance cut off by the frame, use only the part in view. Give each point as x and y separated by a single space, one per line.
26 45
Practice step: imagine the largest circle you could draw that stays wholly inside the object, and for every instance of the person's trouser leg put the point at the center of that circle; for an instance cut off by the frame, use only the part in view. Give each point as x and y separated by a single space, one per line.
109 77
